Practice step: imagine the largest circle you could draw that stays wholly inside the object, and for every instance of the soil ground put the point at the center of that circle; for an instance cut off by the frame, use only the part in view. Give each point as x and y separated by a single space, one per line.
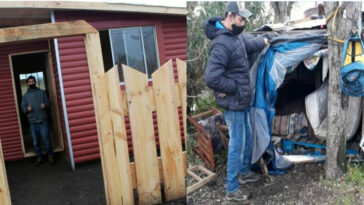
58 184
303 184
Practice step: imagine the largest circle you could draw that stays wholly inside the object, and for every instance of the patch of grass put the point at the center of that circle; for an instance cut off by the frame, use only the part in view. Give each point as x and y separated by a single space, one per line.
355 175
349 199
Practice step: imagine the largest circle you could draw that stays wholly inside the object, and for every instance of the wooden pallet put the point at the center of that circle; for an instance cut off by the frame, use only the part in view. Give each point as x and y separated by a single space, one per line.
204 143
200 181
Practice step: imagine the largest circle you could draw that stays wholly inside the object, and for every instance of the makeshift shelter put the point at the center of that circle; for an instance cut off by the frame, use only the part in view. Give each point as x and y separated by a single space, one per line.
282 82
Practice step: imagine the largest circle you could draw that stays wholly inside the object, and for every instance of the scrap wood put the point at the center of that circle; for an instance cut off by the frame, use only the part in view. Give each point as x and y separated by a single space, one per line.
200 181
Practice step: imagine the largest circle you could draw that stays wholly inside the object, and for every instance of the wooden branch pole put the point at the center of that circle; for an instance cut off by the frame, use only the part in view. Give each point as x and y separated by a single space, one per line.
169 132
4 187
103 120
120 137
144 145
45 31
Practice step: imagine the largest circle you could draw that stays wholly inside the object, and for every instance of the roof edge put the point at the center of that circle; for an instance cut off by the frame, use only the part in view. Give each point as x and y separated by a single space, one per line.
95 6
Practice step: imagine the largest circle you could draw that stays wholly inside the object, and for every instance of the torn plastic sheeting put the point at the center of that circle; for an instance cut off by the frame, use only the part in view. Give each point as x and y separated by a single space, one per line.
268 75
316 110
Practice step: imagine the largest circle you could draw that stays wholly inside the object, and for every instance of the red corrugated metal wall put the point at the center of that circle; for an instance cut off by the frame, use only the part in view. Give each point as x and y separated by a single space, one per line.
171 37
9 127
59 97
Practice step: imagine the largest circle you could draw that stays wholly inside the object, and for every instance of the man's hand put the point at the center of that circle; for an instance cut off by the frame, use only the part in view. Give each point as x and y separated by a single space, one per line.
29 108
42 105
266 41
222 95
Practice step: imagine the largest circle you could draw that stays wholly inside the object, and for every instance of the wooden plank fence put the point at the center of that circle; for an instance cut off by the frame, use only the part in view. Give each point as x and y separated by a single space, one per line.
4 188
138 102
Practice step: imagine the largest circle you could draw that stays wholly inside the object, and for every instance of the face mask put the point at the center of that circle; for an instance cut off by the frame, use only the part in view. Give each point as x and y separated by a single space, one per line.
32 86
237 29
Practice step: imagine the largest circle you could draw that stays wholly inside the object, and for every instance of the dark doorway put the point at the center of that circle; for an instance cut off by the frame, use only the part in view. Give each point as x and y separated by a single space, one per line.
37 65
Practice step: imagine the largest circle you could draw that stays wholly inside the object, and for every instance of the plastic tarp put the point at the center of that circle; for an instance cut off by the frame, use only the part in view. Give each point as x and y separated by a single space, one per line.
267 74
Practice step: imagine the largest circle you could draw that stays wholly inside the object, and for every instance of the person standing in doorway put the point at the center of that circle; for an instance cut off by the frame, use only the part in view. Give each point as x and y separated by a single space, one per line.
34 105
227 74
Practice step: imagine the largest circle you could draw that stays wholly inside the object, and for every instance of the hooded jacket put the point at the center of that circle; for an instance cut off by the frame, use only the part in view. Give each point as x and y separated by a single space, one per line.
35 97
227 69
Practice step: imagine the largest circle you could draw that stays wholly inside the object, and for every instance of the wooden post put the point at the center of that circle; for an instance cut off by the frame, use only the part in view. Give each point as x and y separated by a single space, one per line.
111 172
4 188
336 141
120 137
169 132
144 145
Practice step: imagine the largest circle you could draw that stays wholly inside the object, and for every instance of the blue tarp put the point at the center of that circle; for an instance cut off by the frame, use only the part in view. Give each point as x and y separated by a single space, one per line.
267 74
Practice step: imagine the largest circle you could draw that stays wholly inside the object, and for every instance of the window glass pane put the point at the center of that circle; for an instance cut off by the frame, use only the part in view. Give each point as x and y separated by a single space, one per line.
150 49
118 49
134 49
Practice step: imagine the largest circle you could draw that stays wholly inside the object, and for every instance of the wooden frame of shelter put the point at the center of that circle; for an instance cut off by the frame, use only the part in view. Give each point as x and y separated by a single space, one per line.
108 112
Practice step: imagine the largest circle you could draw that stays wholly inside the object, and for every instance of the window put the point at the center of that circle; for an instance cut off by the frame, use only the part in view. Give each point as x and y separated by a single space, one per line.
133 46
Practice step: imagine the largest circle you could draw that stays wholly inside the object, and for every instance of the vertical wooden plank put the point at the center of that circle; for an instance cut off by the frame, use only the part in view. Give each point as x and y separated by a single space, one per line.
182 81
120 137
103 119
141 123
169 132
4 188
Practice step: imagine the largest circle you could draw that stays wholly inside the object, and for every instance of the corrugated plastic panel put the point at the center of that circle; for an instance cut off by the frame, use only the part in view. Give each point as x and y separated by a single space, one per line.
9 127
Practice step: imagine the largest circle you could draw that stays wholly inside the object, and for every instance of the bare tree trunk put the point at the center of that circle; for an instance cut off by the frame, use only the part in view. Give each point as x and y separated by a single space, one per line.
336 141
282 9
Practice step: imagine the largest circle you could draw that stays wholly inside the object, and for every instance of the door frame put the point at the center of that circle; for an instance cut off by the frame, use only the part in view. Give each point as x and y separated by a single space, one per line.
56 121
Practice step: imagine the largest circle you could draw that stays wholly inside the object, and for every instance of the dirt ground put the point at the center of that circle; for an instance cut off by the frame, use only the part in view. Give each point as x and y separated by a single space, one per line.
55 185
58 184
303 184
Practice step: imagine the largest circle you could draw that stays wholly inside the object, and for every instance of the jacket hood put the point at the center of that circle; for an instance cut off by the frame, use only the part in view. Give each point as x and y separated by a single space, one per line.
210 29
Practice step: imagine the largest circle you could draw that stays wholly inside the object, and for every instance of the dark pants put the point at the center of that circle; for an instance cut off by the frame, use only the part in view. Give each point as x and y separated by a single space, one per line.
41 130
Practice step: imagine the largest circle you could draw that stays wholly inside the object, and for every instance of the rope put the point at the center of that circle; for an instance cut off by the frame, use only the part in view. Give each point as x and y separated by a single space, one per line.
334 14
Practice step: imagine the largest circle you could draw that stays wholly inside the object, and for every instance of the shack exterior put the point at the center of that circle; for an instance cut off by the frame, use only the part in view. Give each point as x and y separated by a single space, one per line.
136 35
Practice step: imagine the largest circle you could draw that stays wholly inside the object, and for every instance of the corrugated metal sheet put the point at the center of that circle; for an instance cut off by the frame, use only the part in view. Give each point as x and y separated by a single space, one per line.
77 90
9 127
171 40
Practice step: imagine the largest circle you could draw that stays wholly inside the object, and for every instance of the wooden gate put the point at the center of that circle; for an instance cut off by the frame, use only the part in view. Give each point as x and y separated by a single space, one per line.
139 102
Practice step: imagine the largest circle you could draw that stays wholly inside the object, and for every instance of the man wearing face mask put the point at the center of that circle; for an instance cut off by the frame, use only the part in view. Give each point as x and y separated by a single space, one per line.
34 104
227 73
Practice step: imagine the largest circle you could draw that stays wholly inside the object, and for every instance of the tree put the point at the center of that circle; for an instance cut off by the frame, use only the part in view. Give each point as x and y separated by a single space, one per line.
341 29
282 10
198 45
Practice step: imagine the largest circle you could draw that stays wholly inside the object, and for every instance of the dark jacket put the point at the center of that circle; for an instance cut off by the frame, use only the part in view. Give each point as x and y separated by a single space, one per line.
34 98
227 69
